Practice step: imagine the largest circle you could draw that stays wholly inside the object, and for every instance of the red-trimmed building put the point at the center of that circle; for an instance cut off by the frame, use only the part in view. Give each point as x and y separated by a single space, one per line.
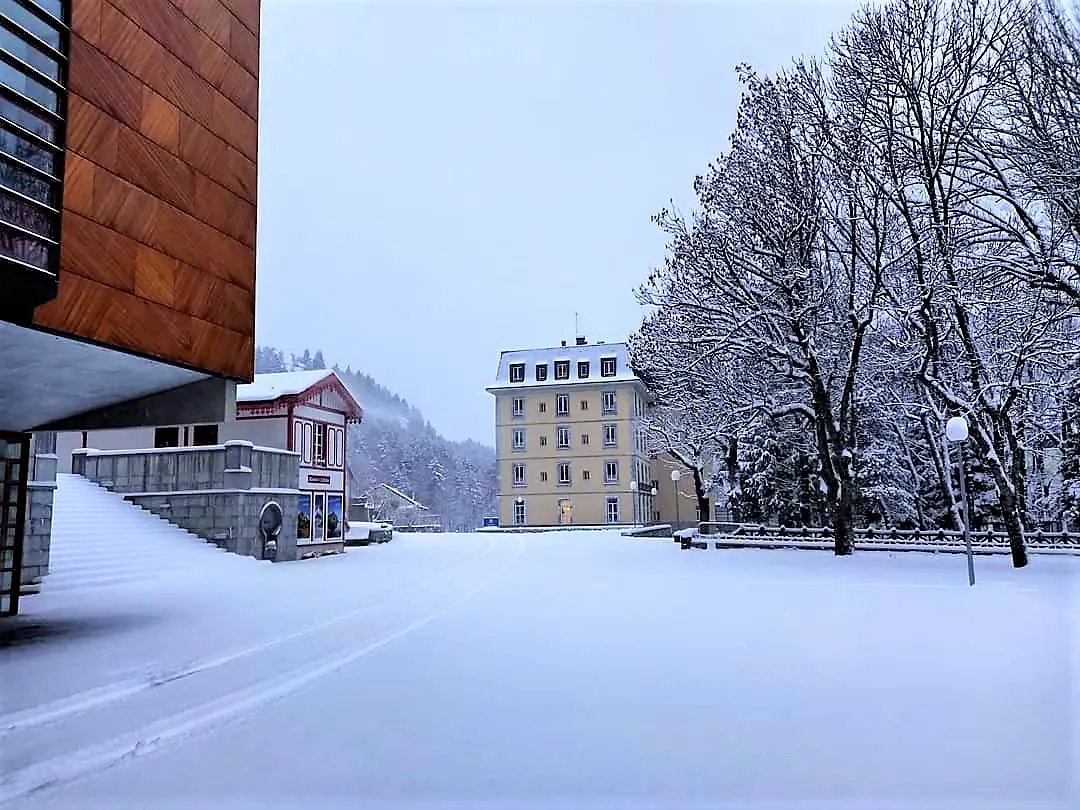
307 412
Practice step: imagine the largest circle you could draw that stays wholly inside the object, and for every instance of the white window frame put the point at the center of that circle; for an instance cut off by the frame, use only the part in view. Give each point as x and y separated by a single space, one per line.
319 444
560 431
612 515
518 476
611 435
583 364
517 372
609 465
518 433
541 375
569 477
515 409
562 364
613 397
560 400
609 366
519 513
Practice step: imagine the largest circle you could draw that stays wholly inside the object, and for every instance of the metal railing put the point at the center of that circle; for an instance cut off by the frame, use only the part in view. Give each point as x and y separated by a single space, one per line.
986 542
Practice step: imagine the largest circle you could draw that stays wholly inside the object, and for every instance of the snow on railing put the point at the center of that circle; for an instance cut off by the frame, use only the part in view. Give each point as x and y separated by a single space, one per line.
987 541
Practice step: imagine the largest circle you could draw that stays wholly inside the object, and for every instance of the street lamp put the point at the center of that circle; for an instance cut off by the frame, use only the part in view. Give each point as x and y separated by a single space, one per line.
675 476
634 495
956 430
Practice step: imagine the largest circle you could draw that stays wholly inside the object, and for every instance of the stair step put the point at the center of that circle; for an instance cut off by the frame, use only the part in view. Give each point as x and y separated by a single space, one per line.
100 539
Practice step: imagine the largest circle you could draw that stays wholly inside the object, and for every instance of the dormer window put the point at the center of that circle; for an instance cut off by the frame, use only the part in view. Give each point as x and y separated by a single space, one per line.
541 372
562 369
583 369
608 367
517 372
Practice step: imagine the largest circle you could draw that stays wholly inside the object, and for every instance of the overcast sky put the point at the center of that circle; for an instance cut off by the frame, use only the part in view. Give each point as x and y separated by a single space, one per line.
440 181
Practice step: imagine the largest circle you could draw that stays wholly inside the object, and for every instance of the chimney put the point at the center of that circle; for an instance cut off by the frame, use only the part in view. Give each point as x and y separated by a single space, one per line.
564 343
581 341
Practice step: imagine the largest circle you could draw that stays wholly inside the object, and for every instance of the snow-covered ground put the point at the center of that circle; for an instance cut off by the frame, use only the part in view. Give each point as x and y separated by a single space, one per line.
569 670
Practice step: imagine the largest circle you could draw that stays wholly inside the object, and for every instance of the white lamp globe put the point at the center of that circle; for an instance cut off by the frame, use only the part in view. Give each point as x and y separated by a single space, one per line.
956 429
675 476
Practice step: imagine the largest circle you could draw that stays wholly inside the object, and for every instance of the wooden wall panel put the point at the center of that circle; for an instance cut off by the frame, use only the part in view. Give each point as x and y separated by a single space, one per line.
159 223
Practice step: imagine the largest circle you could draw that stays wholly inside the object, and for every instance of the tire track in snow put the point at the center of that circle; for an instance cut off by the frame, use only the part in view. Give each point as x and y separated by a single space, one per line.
200 719
103 695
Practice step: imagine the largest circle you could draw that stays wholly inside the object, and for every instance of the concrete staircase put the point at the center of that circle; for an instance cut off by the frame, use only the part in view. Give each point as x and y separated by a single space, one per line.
99 539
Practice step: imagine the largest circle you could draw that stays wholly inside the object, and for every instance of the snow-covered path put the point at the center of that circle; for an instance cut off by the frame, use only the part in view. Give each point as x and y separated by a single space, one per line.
557 670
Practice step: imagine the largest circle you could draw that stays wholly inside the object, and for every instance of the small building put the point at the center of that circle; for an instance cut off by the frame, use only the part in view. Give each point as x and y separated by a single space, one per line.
305 413
385 502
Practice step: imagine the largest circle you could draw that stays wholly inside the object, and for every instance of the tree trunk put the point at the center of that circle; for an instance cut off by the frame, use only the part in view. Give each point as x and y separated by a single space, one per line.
844 519
702 497
1015 528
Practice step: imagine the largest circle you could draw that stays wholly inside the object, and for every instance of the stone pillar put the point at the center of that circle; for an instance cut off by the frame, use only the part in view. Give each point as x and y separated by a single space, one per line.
39 508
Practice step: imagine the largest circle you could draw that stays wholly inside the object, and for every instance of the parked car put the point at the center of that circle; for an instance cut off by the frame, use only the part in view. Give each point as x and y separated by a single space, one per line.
360 533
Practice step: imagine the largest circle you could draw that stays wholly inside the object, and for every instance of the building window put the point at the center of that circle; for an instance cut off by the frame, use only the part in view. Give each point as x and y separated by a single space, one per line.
543 441
585 475
563 438
543 477
167 437
564 473
584 404
543 407
562 369
612 510
519 406
519 475
584 439
611 472
519 438
608 367
541 372
611 435
320 444
610 402
32 144
562 404
519 512
517 372
583 369
204 435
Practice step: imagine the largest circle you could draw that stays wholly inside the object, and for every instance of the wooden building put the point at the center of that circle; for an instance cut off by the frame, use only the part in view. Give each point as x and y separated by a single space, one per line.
128 149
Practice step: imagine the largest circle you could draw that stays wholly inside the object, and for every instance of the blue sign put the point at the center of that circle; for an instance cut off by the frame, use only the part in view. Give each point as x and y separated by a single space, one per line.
491 521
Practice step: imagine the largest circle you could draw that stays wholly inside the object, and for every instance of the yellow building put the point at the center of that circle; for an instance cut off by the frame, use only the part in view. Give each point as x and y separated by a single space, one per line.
568 437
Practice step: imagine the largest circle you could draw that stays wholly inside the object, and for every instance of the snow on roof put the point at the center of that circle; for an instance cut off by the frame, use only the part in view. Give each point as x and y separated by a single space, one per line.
591 352
268 387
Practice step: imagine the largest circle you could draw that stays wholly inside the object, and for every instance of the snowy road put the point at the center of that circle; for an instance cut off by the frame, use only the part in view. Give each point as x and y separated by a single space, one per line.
558 670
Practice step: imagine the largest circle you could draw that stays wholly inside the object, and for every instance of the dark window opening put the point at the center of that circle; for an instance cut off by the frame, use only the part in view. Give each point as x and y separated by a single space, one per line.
204 435
541 372
517 372
167 437
583 369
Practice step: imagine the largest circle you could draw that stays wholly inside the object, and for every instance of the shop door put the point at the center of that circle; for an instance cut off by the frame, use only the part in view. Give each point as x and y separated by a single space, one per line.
14 464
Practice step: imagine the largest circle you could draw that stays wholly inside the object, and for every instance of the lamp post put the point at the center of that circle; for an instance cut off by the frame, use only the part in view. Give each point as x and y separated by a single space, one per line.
634 495
956 430
652 503
675 476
